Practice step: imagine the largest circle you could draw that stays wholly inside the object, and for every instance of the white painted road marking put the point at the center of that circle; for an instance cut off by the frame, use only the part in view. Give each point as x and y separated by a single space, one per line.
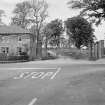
27 68
21 75
38 75
35 75
56 73
33 101
47 74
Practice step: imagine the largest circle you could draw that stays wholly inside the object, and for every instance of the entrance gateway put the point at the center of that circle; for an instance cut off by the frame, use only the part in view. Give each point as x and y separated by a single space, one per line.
96 50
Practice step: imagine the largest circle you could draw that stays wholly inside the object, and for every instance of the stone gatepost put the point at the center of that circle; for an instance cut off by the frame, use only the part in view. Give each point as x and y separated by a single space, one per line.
101 48
94 50
96 53
90 50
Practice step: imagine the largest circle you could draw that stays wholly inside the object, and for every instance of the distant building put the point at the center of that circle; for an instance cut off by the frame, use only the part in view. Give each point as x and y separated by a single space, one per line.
14 40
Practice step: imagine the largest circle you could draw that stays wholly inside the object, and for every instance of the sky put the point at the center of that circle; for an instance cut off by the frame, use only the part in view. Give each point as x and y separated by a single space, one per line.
57 9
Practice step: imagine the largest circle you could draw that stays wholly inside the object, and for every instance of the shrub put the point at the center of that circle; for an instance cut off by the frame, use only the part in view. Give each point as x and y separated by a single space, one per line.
49 56
3 57
21 57
24 56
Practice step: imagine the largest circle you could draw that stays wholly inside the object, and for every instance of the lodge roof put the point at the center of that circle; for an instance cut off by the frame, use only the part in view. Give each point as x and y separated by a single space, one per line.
10 30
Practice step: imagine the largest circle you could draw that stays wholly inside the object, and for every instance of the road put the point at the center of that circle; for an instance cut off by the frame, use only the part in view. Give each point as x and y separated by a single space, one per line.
42 83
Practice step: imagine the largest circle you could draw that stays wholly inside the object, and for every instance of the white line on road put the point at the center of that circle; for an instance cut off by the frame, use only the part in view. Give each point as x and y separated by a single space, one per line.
26 68
40 75
47 74
56 73
33 101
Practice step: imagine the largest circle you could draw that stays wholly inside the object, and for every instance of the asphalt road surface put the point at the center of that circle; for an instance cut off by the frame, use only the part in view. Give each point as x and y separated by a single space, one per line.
43 84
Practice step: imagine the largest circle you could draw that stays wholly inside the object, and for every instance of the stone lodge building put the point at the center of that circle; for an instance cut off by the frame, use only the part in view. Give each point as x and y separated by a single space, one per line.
14 40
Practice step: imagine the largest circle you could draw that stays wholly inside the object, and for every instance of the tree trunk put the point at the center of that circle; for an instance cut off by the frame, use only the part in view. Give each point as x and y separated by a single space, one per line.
39 46
46 46
32 48
90 51
39 50
69 41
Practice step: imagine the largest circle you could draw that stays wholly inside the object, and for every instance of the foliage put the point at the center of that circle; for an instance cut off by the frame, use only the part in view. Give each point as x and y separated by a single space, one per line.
20 14
3 57
14 58
32 14
2 13
38 14
47 31
54 31
94 9
81 32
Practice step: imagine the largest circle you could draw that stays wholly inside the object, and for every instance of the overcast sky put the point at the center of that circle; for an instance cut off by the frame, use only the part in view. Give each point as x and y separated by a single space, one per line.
57 9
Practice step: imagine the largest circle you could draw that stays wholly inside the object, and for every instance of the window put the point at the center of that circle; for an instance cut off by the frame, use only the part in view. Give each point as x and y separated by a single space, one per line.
19 38
5 50
19 50
5 39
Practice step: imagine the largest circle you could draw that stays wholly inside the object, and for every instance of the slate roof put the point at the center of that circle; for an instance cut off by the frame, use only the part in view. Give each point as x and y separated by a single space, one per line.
8 30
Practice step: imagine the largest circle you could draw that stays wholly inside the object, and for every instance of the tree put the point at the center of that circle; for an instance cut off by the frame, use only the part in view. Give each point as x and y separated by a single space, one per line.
47 32
69 34
38 14
94 9
2 13
20 14
81 32
63 42
55 30
32 14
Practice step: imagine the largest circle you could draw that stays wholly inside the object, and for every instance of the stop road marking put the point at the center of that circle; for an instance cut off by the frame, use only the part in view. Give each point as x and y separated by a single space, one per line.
35 75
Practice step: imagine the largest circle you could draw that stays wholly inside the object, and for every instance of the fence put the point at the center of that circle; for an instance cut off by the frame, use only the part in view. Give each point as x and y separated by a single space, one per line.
6 59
